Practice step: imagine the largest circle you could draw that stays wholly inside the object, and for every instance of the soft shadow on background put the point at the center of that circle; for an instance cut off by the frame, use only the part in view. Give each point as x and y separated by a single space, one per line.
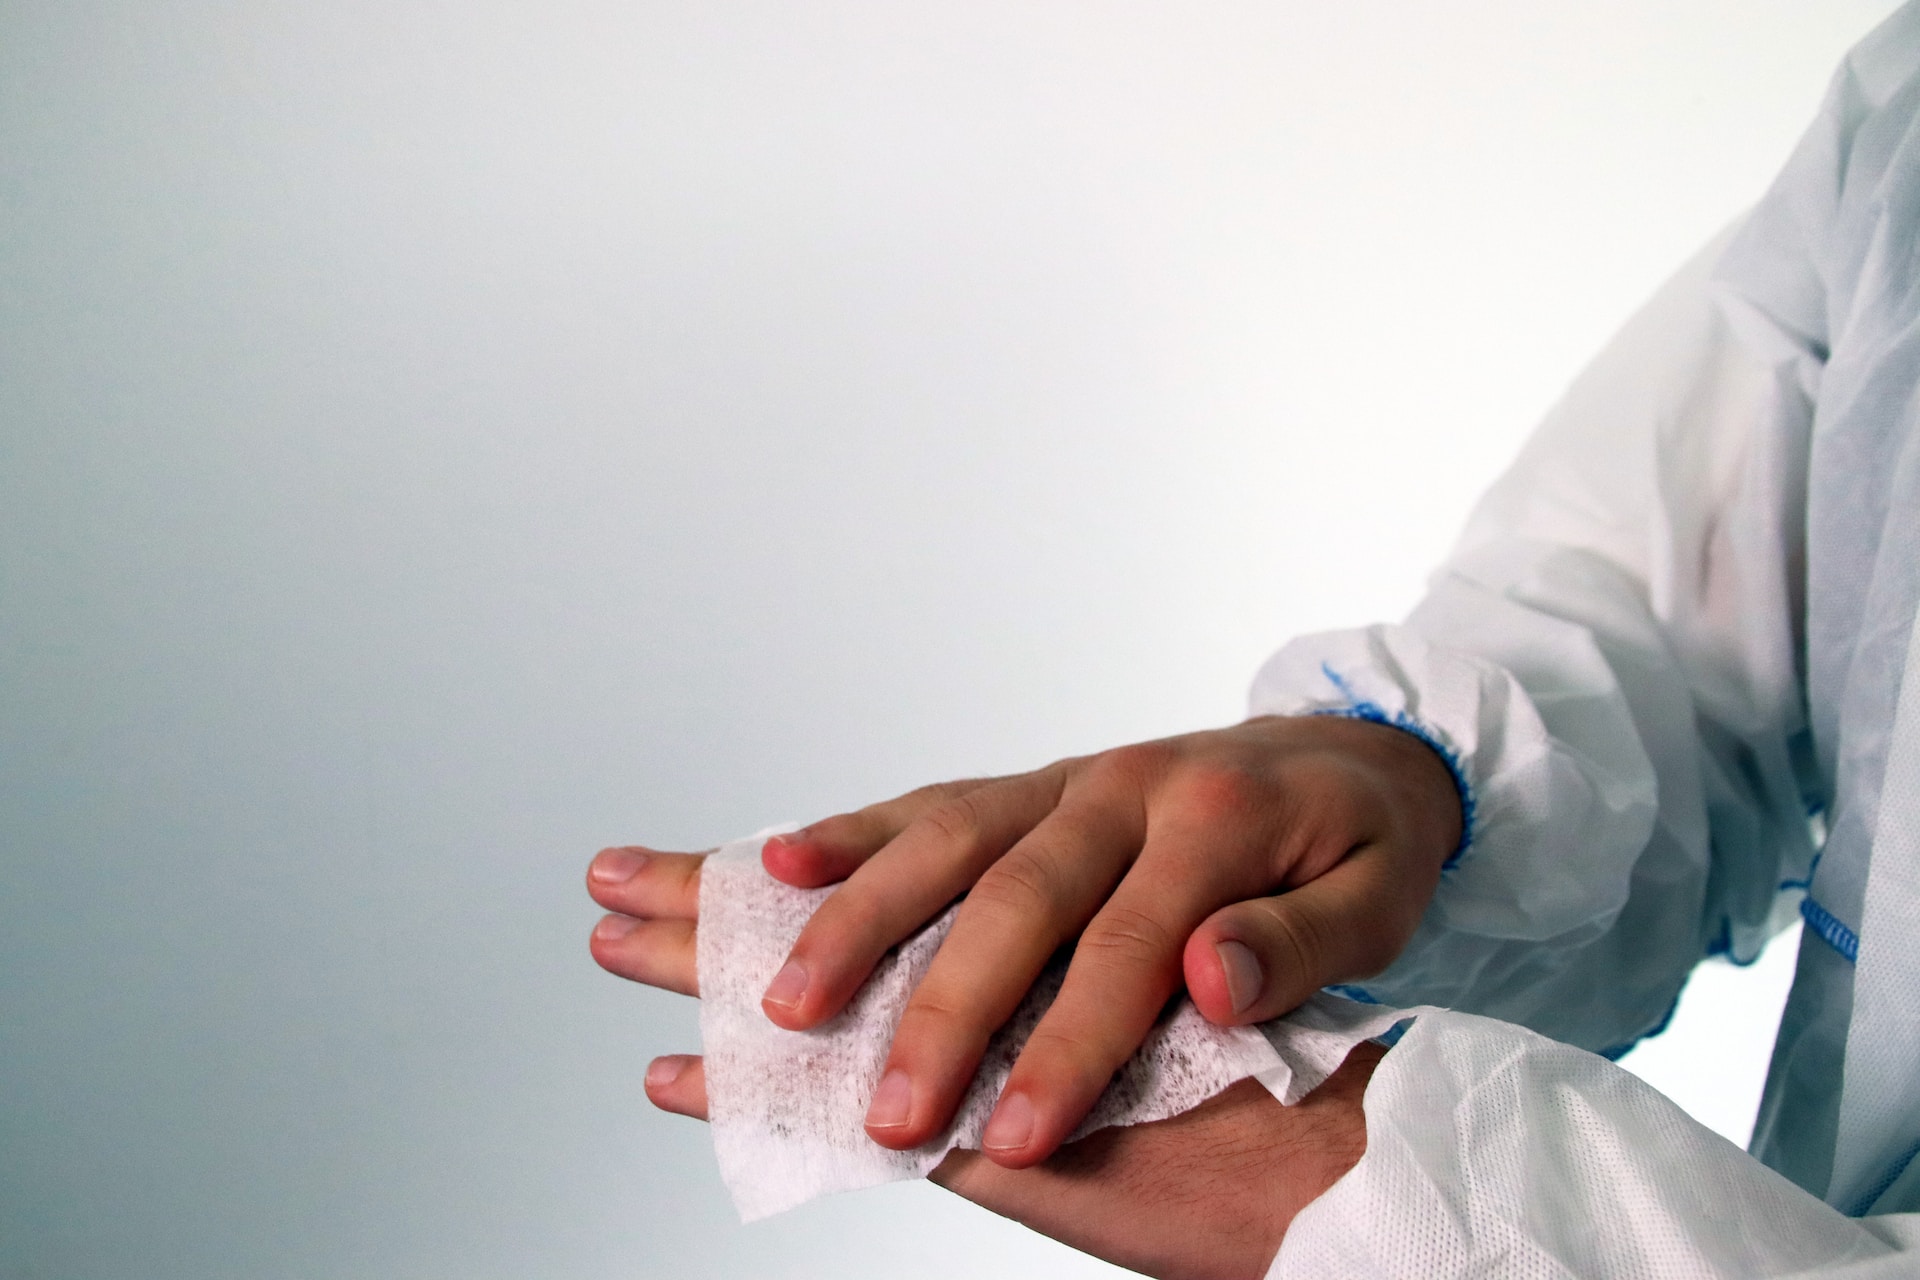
439 440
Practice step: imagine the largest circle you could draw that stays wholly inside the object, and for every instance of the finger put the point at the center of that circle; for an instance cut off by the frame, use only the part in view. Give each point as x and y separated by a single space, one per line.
647 883
1037 897
1125 967
1257 959
832 849
659 953
678 1083
934 860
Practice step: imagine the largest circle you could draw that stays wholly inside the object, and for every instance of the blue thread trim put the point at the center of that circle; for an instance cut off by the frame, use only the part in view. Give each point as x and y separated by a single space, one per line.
1620 1051
1391 1036
1808 882
1722 945
1887 1179
1827 927
1359 708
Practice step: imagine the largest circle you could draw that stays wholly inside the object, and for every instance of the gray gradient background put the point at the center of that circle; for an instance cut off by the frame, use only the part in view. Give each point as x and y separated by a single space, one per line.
437 440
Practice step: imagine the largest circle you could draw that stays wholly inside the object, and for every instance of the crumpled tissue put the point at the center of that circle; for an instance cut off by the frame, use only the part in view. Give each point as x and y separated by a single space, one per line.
787 1106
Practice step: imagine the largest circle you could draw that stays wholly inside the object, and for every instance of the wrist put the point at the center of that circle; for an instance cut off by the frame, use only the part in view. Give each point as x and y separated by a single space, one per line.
1326 1134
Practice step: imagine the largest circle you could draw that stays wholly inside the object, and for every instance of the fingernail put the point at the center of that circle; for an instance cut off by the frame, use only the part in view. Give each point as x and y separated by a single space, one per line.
1242 970
787 987
788 837
1011 1126
662 1072
614 928
616 866
892 1101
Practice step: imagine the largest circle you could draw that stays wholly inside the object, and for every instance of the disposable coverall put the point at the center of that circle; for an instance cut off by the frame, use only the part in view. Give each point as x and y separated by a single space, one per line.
1668 662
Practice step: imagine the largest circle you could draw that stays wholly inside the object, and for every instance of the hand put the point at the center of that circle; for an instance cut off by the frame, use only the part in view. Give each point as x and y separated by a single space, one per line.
1205 1195
1158 862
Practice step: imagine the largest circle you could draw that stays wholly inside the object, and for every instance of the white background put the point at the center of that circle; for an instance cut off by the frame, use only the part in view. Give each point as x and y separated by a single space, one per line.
437 440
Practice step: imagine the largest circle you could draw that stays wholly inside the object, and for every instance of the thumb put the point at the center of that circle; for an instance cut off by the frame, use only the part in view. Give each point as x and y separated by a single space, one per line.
1257 959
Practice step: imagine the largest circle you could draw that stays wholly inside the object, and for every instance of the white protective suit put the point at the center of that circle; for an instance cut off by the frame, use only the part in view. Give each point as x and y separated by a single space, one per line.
1666 661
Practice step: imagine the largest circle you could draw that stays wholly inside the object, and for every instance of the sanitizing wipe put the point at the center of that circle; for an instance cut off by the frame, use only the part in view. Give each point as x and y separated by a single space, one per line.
787 1106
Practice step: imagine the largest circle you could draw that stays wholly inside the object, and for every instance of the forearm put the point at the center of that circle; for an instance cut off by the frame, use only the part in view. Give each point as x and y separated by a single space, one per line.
1495 1151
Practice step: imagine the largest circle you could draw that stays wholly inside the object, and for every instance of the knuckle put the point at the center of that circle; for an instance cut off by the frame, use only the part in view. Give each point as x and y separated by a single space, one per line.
1127 937
848 920
686 874
956 820
1298 944
1066 840
944 1019
844 933
1057 1051
919 800
840 829
1022 883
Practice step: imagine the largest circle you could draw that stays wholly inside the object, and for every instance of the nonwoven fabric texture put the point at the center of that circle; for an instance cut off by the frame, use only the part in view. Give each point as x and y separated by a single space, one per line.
787 1106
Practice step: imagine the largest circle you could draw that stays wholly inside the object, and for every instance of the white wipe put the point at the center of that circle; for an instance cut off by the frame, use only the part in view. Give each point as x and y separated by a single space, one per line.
787 1106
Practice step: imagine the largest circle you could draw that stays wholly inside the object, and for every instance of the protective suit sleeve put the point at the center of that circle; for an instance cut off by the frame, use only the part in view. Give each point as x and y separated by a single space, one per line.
1494 1151
1607 661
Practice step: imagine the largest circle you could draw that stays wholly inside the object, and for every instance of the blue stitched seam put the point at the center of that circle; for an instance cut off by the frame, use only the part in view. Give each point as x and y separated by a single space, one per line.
1620 1051
1827 927
1887 1179
1359 708
1807 882
1721 948
1391 1036
1723 944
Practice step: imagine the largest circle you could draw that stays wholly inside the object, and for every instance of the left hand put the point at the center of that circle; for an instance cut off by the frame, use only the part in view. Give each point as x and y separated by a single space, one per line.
1252 864
1205 1195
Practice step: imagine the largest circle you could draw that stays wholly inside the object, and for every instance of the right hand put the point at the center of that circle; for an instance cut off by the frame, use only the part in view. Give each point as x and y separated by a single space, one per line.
1204 1195
1255 864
